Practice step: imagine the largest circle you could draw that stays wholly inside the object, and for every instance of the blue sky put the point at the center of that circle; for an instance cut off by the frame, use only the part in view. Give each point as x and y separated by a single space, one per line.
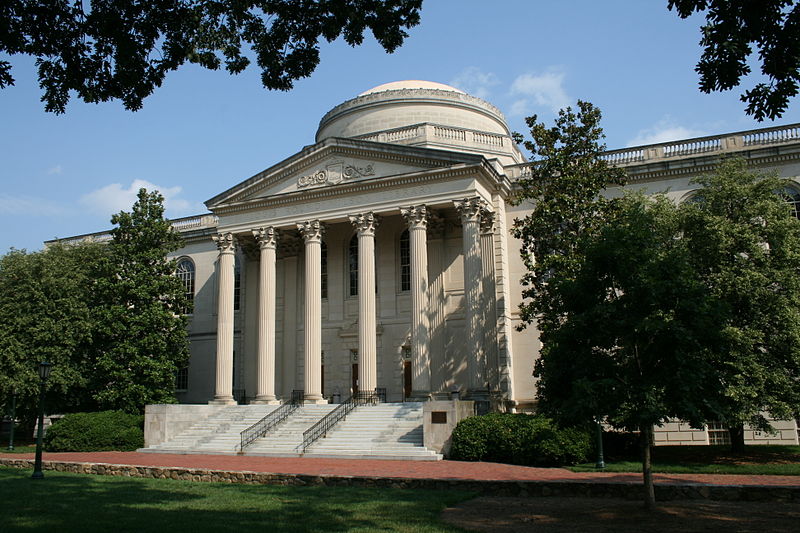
203 132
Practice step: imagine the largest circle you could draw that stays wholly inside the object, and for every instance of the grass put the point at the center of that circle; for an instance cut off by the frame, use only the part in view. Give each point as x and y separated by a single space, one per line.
769 460
23 448
71 502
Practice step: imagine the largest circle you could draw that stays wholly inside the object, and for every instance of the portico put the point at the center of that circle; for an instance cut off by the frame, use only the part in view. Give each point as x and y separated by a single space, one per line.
377 319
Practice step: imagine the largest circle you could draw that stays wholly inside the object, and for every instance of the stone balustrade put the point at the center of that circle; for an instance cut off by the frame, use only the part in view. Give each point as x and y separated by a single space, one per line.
670 151
420 133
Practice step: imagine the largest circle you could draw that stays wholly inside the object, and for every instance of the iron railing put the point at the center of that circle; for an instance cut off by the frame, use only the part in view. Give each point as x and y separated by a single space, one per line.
321 428
266 424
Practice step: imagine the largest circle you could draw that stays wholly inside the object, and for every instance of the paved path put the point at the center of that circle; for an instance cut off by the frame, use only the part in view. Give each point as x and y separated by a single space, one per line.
438 470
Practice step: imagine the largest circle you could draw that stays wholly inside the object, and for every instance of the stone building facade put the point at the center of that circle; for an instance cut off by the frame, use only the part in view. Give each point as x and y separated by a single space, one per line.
381 256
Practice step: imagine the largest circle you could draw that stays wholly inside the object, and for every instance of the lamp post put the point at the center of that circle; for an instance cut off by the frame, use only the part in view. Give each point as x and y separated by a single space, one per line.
44 373
600 464
13 417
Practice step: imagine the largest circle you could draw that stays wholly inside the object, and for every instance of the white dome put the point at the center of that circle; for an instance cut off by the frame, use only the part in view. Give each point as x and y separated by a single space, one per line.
411 84
425 114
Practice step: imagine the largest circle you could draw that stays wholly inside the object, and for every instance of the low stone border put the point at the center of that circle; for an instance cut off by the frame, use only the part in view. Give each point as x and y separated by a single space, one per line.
563 489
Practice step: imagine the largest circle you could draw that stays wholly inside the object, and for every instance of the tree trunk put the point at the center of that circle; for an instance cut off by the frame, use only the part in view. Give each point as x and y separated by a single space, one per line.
647 472
737 438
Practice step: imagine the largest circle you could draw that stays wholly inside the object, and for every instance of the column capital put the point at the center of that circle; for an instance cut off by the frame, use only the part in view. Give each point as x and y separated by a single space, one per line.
311 230
365 223
416 216
488 220
226 242
470 209
266 237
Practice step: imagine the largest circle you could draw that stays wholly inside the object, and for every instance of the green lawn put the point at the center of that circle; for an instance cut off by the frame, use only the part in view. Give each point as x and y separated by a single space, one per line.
773 460
22 448
70 502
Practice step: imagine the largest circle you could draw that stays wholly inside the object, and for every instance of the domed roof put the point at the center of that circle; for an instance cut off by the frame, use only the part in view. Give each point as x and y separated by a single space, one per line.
425 114
411 84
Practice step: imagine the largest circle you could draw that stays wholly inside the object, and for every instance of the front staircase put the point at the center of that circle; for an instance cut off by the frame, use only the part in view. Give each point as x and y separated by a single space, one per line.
382 431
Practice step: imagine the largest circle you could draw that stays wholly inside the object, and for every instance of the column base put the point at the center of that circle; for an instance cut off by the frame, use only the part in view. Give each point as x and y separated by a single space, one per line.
315 400
223 401
266 400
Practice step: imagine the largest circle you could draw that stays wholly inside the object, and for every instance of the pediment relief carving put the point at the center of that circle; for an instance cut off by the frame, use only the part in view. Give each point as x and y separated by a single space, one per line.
336 172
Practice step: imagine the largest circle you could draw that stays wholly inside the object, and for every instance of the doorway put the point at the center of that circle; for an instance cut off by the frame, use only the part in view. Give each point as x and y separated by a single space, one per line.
406 380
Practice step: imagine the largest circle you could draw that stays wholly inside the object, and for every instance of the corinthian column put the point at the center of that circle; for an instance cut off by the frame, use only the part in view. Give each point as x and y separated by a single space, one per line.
223 391
417 219
265 380
366 224
312 235
471 210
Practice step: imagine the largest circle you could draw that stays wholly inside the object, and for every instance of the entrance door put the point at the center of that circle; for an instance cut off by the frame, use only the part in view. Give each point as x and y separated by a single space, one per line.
406 379
355 379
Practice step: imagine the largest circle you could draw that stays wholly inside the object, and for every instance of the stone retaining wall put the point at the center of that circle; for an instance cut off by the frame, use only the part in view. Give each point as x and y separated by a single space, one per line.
563 489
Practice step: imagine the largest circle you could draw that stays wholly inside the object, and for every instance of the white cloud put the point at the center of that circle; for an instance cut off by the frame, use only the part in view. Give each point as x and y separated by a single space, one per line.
30 206
114 198
539 90
665 130
55 170
474 81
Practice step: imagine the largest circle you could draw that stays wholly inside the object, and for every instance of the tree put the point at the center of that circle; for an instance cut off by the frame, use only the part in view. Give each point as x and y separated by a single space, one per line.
564 187
732 28
123 49
635 330
141 340
745 245
46 315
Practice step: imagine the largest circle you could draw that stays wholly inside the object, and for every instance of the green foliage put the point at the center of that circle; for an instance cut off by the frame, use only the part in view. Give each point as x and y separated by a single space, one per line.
109 317
564 187
141 338
96 432
635 325
123 49
46 315
732 28
745 246
518 439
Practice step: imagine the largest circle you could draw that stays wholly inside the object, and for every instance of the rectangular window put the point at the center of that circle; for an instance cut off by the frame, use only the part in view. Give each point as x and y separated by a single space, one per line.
718 435
182 379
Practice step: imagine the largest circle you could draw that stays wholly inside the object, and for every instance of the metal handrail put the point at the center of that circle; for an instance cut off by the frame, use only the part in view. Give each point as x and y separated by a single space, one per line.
266 424
321 428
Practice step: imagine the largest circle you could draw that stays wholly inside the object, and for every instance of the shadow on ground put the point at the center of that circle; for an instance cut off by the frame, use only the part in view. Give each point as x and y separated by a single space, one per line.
545 515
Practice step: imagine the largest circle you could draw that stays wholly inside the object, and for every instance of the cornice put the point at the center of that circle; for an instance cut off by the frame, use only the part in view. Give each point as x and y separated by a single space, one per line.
702 165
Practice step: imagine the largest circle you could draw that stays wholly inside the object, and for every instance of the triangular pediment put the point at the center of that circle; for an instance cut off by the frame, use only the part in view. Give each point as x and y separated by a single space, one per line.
337 163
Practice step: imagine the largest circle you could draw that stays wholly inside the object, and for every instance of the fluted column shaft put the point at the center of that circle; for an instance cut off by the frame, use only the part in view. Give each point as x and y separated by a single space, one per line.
470 210
417 220
223 391
489 299
366 224
312 234
265 347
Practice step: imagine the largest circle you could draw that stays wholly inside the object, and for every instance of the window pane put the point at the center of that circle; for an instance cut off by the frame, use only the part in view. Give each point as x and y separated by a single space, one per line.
405 262
352 259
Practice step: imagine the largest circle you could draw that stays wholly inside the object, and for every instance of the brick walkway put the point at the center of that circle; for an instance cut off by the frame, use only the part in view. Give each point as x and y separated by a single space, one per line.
429 470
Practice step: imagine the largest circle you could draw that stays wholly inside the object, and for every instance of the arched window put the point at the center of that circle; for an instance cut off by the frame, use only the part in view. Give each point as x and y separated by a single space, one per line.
324 269
352 265
237 284
185 272
405 262
792 196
